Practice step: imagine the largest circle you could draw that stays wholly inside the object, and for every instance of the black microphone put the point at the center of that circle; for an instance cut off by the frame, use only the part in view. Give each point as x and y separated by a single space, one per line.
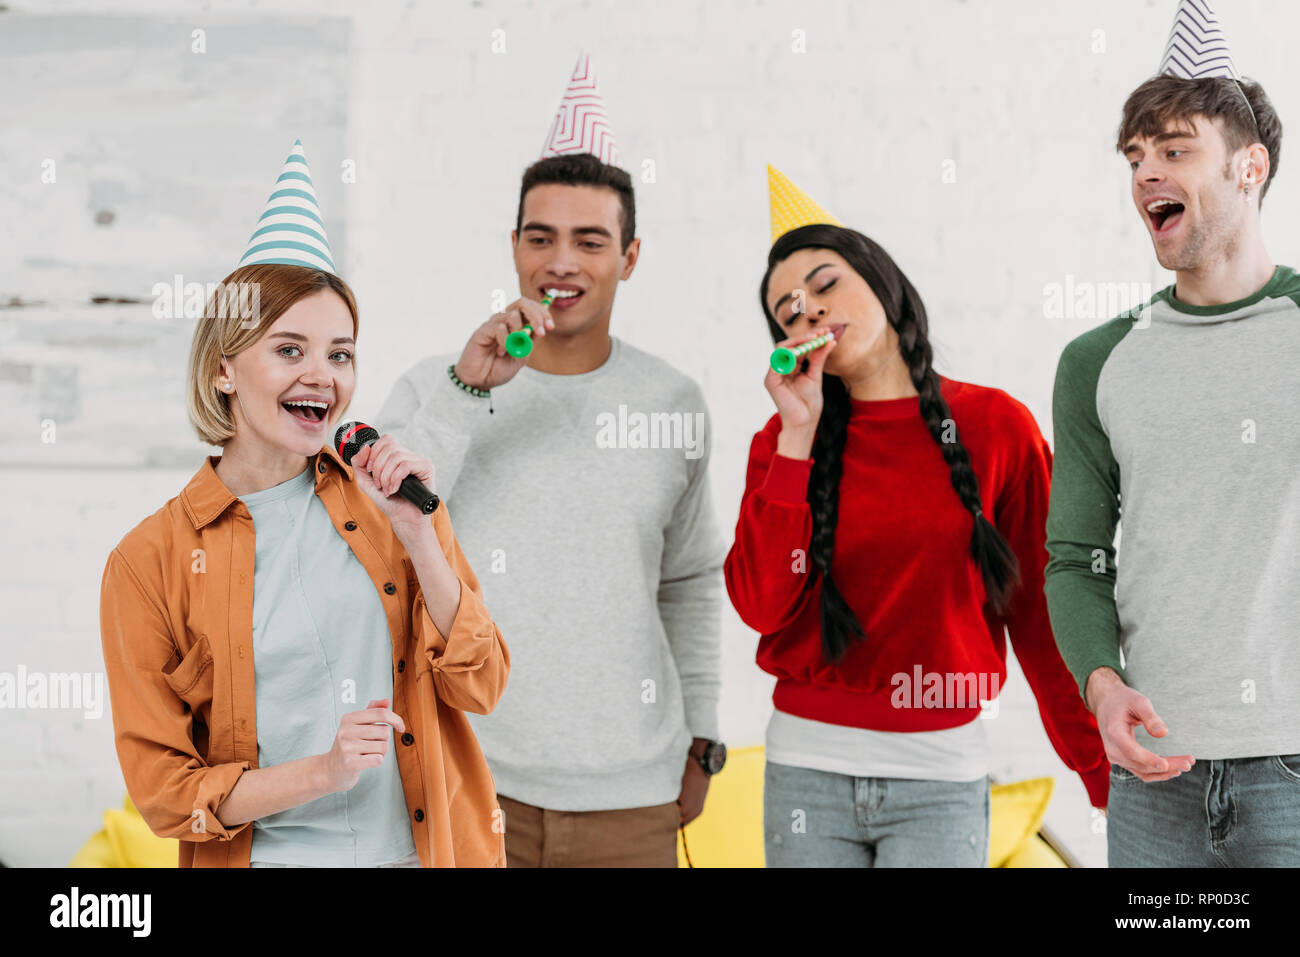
348 440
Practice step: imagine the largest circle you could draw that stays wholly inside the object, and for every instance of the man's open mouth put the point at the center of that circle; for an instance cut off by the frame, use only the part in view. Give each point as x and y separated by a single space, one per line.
563 296
1164 214
306 411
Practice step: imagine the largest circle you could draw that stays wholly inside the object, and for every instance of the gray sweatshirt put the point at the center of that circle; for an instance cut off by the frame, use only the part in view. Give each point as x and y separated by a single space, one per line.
583 504
1186 416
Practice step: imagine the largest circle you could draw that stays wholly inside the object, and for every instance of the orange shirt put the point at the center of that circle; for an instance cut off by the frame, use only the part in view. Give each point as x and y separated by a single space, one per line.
176 619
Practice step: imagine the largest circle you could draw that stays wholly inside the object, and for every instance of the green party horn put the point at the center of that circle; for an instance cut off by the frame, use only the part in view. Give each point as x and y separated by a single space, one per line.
786 360
520 344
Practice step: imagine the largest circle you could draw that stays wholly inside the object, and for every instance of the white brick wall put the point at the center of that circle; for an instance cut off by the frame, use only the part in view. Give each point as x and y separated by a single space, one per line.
441 127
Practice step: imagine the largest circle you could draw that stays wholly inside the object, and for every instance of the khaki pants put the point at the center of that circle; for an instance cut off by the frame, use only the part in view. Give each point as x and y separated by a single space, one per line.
633 837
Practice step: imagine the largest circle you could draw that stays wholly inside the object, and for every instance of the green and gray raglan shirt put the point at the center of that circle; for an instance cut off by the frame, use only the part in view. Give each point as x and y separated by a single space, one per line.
1186 415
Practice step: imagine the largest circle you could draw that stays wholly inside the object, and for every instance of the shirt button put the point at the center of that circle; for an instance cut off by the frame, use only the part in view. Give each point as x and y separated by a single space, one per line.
351 526
419 814
401 665
390 588
408 738
321 468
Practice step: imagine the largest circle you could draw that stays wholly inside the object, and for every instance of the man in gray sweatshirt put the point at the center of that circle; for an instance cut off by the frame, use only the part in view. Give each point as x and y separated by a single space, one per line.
577 477
1183 411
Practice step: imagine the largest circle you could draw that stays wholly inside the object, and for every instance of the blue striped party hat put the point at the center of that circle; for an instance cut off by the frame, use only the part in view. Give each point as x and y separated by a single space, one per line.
290 230
1197 45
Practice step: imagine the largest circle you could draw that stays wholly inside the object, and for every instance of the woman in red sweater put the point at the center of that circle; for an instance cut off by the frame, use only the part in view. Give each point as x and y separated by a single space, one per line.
892 525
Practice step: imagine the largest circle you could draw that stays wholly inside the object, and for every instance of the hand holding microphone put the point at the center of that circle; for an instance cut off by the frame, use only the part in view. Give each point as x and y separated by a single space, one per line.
388 472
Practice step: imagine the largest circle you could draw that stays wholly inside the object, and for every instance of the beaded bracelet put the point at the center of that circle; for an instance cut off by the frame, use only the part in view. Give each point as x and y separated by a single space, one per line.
472 390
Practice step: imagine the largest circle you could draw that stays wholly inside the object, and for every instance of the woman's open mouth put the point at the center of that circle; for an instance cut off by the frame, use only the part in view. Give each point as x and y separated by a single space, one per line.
310 415
1165 215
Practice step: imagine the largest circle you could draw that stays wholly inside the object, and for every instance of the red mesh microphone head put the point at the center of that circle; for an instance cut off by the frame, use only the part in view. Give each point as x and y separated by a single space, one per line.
350 436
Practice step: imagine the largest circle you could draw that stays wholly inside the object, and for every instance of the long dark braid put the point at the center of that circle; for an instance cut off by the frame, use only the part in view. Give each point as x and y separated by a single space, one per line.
838 620
906 314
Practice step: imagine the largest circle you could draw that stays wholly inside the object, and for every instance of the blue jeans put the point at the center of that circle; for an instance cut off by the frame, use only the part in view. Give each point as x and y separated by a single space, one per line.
822 819
1236 812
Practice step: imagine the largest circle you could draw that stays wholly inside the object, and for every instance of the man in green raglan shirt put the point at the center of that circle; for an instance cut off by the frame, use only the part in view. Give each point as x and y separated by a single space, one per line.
1184 412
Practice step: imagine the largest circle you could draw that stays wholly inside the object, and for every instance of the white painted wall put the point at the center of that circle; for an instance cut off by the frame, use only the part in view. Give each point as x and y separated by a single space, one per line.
1022 97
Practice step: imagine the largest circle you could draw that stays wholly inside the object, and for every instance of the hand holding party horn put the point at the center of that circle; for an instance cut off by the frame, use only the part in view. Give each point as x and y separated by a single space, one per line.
786 360
520 343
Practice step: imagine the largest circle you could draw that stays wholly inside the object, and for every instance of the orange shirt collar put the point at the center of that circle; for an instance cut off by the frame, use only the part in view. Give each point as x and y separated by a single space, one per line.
206 497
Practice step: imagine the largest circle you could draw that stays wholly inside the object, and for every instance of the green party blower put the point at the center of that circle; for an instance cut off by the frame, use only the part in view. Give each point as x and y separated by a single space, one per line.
786 360
520 344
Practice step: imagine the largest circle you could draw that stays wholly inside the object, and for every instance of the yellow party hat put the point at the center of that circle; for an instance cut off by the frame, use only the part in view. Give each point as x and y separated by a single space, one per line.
791 206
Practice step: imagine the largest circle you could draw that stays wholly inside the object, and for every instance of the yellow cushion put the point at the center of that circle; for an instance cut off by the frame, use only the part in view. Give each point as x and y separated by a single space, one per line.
1016 813
126 841
730 831
1035 852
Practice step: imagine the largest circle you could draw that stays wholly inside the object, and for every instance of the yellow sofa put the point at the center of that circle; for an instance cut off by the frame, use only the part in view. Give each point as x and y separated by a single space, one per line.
728 834
126 841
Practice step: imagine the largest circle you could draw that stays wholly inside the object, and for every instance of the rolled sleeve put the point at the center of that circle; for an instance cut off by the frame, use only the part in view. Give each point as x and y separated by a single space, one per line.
176 791
213 785
470 665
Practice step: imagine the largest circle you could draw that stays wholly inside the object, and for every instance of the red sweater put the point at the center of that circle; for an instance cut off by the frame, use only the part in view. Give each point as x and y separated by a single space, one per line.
902 562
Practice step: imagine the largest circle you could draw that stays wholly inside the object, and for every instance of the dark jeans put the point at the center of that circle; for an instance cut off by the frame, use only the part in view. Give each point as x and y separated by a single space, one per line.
1236 812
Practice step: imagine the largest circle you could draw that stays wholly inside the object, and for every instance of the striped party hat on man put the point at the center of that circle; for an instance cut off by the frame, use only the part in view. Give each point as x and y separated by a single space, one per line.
1197 46
581 123
290 230
791 207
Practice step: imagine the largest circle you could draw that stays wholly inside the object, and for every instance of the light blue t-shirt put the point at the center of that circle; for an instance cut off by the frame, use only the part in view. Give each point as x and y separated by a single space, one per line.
321 648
